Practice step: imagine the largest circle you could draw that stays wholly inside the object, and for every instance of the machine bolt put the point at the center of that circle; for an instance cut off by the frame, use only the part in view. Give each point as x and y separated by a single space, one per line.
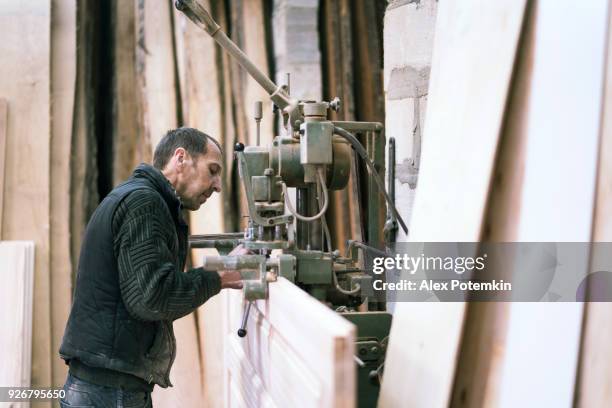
335 104
374 350
363 351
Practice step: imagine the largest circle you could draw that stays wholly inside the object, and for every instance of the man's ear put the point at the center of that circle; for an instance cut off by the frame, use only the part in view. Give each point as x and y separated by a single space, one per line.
180 155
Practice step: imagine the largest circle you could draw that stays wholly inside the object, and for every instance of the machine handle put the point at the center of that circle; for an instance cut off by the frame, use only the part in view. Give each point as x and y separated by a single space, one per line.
242 331
198 15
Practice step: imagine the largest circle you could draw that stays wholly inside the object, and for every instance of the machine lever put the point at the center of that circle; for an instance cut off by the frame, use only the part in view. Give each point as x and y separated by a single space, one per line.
242 332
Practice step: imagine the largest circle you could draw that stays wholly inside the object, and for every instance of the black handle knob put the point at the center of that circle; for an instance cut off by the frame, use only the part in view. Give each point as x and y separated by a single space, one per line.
239 147
245 318
180 6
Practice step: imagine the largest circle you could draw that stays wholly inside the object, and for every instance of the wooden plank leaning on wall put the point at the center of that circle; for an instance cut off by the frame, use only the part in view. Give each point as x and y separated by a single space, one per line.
200 71
16 317
157 100
130 147
3 137
344 213
83 155
425 337
63 79
538 361
478 375
595 371
25 66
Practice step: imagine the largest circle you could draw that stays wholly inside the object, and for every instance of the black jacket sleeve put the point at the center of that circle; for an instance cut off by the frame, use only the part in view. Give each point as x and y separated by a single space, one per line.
152 286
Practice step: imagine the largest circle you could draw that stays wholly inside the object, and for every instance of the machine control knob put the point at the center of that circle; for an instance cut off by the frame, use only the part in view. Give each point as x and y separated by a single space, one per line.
239 147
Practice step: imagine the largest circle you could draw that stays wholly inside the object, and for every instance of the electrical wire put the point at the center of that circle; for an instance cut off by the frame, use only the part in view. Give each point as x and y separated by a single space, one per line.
353 291
325 195
361 151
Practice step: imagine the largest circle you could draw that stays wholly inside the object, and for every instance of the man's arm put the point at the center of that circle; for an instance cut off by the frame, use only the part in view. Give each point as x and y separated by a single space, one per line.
151 287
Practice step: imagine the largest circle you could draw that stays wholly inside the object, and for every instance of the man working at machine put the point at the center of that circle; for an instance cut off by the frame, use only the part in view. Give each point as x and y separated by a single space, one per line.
130 287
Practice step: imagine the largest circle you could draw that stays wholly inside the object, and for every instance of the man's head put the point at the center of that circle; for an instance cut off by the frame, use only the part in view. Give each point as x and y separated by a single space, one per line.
191 161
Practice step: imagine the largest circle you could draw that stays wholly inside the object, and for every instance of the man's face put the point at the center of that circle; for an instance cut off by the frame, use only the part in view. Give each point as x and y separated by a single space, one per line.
198 177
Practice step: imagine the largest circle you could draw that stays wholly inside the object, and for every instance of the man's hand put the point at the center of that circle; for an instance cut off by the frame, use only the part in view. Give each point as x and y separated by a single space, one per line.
230 279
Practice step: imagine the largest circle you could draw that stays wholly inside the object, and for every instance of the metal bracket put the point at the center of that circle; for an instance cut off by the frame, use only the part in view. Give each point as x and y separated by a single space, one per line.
248 190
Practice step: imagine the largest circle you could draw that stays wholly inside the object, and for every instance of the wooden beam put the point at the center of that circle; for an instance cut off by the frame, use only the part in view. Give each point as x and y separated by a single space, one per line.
83 162
3 137
338 73
25 82
539 352
252 20
594 371
200 74
130 146
425 337
478 375
63 79
158 104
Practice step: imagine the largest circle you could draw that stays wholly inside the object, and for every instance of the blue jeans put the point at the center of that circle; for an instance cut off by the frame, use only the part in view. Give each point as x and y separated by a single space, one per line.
83 394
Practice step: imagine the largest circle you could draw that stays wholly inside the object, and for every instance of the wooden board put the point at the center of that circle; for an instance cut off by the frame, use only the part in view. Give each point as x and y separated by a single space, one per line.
595 372
63 79
532 363
158 103
344 213
3 137
202 107
478 375
25 82
297 352
156 59
252 20
83 158
17 273
129 144
466 103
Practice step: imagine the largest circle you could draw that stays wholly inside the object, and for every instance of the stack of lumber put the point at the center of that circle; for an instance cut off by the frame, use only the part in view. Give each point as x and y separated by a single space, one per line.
17 274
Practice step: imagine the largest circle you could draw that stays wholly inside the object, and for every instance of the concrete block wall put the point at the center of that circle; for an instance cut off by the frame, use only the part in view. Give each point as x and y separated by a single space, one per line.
296 46
408 43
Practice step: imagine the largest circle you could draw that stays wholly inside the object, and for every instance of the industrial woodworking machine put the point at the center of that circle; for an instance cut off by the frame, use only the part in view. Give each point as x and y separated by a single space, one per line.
293 241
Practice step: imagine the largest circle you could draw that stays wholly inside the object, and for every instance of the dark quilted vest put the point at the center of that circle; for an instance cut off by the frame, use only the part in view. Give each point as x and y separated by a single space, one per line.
100 332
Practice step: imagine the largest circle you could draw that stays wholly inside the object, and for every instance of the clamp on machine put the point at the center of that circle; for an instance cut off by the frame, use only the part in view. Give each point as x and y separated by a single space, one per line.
314 157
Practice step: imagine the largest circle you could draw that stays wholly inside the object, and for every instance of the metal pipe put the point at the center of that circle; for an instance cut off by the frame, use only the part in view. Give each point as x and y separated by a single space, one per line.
391 181
217 263
258 115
